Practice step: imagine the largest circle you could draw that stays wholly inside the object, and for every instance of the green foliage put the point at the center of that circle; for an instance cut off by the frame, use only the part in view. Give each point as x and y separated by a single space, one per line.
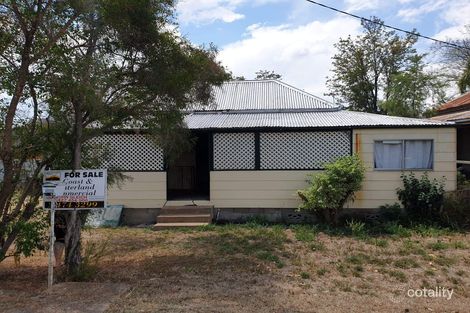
363 67
304 233
421 198
265 74
357 228
30 235
409 89
330 190
390 212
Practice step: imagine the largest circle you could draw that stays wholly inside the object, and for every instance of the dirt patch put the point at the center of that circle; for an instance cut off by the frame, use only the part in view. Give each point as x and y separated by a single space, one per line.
73 297
264 269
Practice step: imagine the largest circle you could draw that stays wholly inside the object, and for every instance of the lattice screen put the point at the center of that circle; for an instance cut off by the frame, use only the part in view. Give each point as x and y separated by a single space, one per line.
234 151
127 152
302 150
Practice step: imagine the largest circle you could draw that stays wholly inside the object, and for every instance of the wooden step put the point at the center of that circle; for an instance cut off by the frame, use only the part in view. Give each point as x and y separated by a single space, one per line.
184 218
162 226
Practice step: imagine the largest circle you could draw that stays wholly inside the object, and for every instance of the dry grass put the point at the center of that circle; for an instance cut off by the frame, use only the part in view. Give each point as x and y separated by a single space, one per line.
255 268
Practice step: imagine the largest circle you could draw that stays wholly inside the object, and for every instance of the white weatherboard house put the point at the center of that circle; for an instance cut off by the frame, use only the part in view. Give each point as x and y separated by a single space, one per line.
256 146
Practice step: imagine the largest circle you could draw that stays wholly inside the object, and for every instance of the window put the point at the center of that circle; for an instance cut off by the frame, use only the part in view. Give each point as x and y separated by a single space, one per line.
403 154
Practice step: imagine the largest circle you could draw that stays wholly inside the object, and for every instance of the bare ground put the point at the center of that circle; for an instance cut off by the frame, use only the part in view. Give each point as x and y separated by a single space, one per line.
262 269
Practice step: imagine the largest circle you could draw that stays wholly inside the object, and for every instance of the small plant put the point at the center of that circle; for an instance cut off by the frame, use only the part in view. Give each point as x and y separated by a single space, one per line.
322 271
358 229
304 275
329 191
92 255
438 245
456 210
304 233
421 198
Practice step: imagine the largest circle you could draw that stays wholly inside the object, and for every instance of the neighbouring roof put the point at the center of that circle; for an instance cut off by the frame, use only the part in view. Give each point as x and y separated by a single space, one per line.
460 103
275 104
457 110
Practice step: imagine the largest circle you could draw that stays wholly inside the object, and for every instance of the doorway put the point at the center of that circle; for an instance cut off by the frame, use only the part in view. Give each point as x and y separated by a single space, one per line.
188 176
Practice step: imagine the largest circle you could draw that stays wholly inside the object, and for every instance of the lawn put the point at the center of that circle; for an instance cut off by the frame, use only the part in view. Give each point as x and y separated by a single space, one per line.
268 268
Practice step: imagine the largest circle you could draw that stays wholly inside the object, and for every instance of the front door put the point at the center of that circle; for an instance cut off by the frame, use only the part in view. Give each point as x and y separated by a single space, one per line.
188 175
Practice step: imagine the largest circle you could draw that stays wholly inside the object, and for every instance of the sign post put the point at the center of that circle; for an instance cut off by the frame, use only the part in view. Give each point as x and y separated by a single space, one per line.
72 190
50 272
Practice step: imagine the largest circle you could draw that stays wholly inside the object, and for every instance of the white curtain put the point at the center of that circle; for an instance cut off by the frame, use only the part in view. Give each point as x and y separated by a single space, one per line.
418 154
388 155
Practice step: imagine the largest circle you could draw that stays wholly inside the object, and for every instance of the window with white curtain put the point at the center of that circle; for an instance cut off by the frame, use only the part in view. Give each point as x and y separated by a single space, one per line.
403 154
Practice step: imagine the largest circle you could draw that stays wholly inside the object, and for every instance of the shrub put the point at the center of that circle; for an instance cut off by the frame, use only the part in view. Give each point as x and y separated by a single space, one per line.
330 190
456 210
421 198
390 212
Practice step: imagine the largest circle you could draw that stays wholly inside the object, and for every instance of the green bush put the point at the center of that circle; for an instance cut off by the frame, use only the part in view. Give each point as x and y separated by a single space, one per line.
330 190
421 198
390 212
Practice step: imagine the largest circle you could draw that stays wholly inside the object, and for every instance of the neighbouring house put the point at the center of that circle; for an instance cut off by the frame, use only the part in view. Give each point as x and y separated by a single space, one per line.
255 147
458 112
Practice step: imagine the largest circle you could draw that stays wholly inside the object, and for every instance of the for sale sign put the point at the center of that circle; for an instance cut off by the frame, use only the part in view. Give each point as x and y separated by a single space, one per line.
80 189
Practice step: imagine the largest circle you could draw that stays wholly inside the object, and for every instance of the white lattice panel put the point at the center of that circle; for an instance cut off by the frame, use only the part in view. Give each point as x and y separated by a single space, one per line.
302 150
128 152
234 151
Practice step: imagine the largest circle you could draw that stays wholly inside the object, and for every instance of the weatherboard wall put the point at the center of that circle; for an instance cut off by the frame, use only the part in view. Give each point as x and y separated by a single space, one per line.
380 186
139 190
278 188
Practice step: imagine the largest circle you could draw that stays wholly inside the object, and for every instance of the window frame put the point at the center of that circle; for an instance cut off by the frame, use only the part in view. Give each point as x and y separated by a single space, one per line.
402 168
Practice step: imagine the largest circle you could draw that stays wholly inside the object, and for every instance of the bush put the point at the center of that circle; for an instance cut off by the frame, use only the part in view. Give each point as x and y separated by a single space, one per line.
421 198
456 210
330 190
390 212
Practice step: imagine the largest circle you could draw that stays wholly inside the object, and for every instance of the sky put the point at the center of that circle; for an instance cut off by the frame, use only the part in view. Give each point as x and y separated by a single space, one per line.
295 38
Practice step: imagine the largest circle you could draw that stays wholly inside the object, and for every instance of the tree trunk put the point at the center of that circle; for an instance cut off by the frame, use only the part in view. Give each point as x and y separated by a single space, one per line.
73 255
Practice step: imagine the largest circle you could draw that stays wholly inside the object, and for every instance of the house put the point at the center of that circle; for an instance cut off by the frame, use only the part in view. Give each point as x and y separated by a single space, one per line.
458 112
256 146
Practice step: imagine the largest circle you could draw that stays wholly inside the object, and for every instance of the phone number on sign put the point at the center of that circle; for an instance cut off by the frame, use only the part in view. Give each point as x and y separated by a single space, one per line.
79 205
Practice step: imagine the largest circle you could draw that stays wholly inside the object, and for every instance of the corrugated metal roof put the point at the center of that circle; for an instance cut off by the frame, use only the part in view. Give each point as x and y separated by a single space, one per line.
332 119
263 95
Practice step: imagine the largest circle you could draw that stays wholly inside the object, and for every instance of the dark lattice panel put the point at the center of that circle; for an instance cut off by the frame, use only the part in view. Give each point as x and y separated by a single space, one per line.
127 152
302 150
234 151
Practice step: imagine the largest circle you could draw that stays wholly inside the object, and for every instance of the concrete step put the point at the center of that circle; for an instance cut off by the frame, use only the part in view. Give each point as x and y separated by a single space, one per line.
184 218
162 226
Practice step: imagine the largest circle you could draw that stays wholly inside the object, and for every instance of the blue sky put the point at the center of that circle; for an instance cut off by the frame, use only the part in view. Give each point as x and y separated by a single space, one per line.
295 38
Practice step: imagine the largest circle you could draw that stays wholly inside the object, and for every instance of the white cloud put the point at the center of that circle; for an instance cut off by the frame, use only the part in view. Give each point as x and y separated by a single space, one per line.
456 16
301 54
208 11
361 5
414 13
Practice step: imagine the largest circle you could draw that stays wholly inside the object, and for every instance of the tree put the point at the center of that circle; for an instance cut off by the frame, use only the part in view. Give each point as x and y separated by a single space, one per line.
120 64
457 60
265 74
363 67
409 89
29 30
